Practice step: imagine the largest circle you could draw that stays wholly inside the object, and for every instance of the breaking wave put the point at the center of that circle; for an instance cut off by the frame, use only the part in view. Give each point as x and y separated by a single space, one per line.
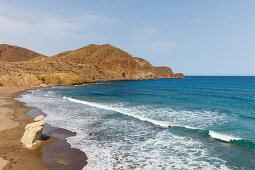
163 124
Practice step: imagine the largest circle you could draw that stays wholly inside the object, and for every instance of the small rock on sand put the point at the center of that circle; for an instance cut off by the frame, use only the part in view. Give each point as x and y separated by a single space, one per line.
62 162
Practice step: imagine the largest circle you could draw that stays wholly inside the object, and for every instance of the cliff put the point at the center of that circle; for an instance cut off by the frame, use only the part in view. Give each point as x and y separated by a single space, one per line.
87 64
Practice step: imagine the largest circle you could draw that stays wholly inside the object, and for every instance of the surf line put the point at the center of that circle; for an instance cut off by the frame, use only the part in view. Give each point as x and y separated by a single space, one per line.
105 107
212 134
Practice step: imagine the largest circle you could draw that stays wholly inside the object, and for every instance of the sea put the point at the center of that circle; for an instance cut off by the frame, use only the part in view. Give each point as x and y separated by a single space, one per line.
199 122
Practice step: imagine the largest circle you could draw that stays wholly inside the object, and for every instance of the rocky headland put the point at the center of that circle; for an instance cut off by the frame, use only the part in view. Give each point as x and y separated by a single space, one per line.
22 67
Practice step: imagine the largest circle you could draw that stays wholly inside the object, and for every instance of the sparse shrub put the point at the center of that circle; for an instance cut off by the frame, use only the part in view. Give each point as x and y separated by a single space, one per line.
124 74
43 79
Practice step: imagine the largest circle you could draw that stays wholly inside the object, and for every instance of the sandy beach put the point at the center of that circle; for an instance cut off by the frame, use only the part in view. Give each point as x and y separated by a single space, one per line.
54 152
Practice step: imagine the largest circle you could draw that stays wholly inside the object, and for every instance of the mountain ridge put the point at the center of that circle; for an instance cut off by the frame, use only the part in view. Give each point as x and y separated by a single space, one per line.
87 64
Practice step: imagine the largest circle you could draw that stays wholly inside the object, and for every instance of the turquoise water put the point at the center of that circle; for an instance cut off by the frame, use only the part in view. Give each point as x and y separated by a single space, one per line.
191 123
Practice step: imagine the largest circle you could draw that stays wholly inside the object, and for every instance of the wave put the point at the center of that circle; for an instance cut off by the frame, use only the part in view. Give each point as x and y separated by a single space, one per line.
218 136
209 133
222 137
156 122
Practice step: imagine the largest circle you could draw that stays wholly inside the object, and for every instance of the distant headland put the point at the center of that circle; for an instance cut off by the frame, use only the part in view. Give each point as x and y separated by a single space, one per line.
23 67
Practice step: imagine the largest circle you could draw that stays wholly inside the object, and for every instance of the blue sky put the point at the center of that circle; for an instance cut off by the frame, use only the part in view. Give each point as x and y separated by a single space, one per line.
196 37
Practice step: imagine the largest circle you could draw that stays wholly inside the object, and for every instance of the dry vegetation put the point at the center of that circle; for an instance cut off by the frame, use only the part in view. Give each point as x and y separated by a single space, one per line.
87 64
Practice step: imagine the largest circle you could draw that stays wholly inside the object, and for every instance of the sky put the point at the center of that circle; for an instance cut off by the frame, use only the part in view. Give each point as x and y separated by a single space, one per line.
195 37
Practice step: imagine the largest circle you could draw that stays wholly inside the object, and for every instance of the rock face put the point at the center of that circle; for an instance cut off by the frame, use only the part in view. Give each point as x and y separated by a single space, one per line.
87 64
62 79
33 133
10 53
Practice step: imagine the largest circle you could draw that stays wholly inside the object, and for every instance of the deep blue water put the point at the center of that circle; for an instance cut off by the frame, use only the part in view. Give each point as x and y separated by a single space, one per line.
191 123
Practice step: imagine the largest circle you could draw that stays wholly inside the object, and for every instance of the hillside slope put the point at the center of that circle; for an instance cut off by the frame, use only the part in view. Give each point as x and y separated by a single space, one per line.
10 53
87 64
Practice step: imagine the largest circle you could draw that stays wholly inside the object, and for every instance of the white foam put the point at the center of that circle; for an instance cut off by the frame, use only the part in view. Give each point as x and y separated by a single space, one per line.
155 122
165 150
180 153
190 127
190 119
212 134
222 137
120 147
172 118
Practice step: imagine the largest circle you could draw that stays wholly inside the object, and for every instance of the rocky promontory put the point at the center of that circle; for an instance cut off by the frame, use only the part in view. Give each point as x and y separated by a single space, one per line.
88 64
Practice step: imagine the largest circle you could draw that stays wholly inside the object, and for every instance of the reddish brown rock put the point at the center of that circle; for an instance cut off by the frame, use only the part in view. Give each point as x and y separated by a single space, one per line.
87 64
115 63
11 53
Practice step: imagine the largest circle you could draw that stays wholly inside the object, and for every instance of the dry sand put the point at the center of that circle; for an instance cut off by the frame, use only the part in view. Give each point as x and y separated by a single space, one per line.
13 119
2 163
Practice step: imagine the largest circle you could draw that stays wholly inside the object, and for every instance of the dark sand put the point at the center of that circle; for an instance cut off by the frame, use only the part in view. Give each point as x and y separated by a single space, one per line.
59 150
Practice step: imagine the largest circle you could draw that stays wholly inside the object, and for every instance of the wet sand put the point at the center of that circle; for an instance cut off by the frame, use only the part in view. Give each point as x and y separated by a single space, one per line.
60 151
54 153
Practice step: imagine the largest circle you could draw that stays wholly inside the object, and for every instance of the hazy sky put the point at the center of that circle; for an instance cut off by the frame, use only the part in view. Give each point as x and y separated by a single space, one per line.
196 37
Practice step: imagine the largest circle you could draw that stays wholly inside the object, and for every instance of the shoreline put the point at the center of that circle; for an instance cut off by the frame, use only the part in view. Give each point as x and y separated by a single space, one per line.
54 153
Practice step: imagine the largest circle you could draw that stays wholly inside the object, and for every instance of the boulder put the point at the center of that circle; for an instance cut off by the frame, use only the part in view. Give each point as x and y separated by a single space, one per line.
33 133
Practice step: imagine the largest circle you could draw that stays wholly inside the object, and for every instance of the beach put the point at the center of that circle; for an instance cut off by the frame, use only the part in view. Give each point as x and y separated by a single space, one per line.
127 85
54 152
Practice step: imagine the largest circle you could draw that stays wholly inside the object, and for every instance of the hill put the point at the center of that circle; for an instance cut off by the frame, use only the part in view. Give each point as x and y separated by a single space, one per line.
10 53
87 64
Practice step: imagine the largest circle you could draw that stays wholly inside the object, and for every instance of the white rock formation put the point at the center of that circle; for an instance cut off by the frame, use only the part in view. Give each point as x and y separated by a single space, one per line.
39 118
33 133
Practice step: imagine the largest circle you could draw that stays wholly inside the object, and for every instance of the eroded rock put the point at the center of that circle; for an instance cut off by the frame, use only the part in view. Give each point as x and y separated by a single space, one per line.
39 118
33 133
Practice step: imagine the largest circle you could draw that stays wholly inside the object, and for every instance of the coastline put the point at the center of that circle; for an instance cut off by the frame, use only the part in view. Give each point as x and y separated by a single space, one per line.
54 153
14 116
